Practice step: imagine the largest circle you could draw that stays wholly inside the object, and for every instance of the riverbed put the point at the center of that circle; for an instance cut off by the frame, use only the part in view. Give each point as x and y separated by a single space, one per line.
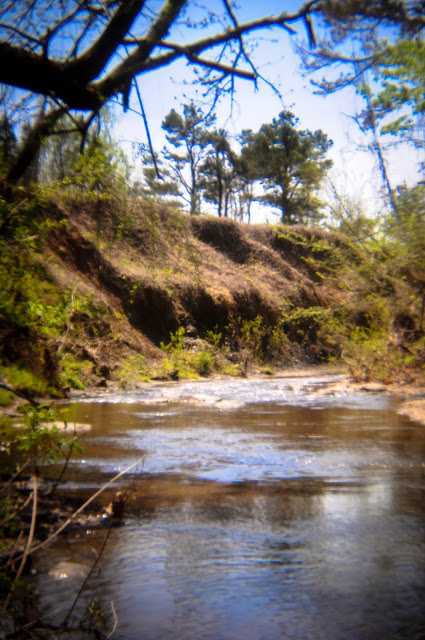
260 509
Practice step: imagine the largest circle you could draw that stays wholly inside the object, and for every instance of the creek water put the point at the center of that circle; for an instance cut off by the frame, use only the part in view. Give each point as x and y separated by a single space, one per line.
262 510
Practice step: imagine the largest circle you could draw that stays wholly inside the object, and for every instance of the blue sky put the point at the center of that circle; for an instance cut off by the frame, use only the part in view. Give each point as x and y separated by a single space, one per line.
354 170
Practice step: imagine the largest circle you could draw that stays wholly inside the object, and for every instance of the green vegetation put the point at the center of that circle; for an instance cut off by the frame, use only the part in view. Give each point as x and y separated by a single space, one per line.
131 371
73 371
35 310
376 284
290 164
26 381
183 362
39 441
41 438
6 398
400 70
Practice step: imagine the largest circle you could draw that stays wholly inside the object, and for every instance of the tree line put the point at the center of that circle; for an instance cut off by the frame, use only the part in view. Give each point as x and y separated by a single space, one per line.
280 166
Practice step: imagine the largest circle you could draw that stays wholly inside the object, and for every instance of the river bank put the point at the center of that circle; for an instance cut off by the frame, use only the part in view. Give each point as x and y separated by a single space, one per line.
410 395
179 296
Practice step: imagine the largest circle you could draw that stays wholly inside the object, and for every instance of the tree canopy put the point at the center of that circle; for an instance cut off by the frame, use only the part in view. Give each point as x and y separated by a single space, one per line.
290 163
219 179
188 135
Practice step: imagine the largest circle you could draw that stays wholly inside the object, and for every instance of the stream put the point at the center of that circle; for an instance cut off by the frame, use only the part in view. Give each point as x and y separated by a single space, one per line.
260 510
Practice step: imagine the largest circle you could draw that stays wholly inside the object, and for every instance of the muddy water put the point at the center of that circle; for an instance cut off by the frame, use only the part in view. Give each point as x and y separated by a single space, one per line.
262 510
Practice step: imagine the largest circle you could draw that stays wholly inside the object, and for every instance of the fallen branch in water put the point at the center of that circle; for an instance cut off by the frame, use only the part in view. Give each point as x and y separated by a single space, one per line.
27 548
114 628
96 562
40 545
19 393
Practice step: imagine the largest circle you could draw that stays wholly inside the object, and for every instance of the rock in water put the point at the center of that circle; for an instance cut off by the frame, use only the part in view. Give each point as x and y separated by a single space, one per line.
69 570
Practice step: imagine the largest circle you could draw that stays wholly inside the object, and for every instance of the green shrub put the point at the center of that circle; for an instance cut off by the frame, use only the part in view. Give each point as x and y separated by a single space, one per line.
74 372
251 335
214 338
232 370
278 344
176 341
132 369
182 363
6 398
25 381
41 437
366 354
203 362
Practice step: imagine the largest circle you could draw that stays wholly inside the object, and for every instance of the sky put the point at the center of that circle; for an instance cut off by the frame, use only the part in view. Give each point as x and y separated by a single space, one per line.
354 171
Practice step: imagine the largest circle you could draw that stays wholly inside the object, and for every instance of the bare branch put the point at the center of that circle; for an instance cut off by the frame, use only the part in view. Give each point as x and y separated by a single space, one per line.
234 20
22 34
27 547
212 64
42 127
89 24
114 627
77 55
93 61
40 545
119 80
20 394
73 80
310 31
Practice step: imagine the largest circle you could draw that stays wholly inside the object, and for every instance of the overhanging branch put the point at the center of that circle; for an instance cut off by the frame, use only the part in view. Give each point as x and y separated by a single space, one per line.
74 80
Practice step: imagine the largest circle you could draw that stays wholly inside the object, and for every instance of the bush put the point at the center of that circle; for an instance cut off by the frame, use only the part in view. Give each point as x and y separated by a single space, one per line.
132 369
183 363
74 372
203 362
25 381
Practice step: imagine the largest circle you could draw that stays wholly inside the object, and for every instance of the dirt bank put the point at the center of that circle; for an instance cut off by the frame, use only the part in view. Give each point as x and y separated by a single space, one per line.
113 282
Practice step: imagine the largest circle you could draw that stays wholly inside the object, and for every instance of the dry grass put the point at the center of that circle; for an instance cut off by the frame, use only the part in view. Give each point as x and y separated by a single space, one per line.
153 270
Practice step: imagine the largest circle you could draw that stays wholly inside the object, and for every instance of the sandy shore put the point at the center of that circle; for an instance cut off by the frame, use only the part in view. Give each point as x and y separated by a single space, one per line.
411 397
414 409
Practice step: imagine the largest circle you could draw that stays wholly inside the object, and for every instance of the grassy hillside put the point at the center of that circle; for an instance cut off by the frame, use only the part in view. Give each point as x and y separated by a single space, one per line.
101 292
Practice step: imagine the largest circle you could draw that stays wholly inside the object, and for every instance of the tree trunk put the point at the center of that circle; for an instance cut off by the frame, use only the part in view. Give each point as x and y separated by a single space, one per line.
30 147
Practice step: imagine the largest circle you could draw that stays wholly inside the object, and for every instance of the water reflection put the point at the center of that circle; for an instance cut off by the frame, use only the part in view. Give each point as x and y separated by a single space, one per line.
268 520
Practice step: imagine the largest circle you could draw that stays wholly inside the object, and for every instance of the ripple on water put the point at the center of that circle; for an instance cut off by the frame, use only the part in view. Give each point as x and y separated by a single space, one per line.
225 455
